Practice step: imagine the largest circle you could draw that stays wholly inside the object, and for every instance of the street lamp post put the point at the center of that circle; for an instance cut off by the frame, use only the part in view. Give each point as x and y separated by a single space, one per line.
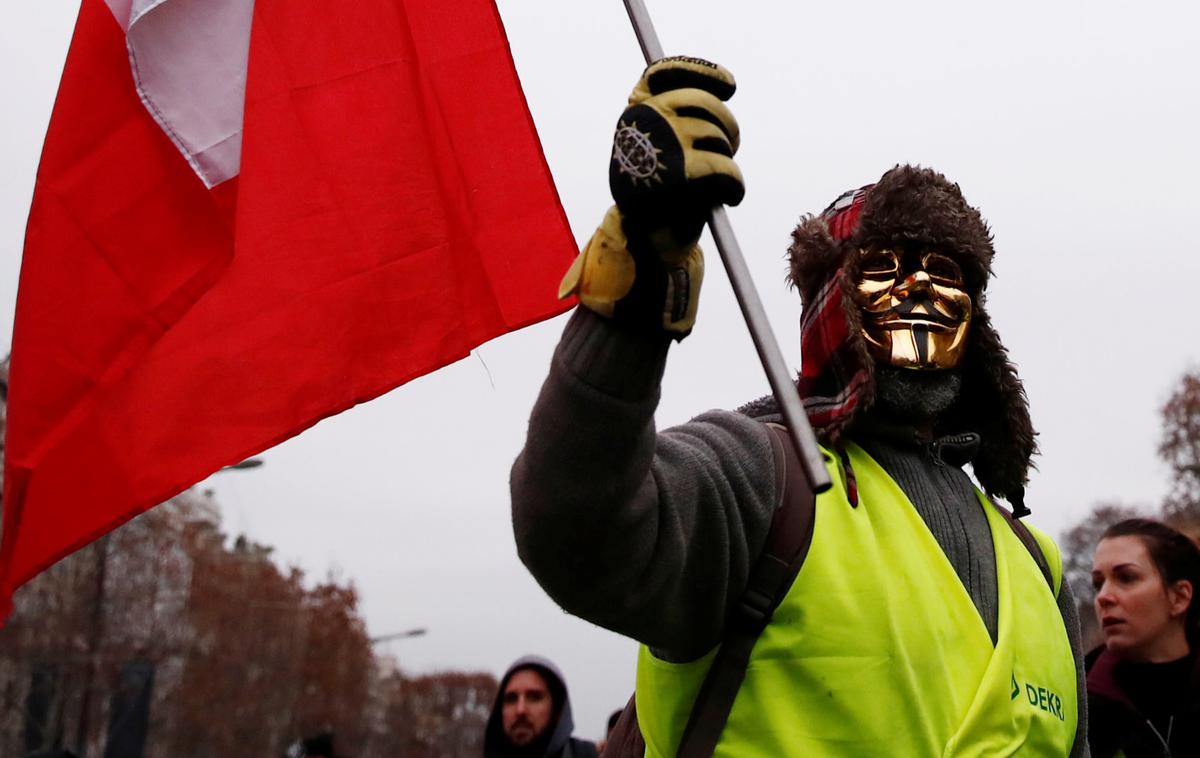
83 726
418 632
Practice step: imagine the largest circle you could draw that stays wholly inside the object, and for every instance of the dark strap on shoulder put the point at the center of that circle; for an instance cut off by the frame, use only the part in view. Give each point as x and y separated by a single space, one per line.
1030 542
626 739
770 579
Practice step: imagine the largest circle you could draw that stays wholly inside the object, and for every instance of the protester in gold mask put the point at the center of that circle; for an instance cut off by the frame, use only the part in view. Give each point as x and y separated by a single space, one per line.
921 605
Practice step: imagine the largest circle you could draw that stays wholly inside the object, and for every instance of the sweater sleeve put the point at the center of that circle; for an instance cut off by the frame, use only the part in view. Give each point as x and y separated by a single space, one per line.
650 535
1070 614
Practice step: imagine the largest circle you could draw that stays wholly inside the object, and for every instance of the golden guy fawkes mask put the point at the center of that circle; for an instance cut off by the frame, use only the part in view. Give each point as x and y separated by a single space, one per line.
916 310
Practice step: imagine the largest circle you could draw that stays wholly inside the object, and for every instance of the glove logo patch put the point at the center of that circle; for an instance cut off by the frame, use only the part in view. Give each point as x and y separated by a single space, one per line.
636 156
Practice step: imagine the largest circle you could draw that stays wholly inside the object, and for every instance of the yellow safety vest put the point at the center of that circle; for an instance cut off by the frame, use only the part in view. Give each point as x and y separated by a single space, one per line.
878 649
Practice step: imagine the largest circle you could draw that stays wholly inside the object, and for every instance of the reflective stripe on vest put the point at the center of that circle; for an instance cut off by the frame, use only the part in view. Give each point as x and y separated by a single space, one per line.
878 648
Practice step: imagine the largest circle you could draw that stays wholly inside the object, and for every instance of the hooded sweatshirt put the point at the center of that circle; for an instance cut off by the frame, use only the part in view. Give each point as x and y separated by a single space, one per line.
557 741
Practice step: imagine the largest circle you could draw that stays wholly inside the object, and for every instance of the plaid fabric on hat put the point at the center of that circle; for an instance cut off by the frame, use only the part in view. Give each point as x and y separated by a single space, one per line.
831 370
842 214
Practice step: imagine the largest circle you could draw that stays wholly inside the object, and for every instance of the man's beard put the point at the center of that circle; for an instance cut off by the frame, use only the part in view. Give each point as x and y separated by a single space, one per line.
915 396
535 748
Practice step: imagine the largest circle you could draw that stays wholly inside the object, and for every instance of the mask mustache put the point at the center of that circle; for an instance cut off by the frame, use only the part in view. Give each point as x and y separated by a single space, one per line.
904 311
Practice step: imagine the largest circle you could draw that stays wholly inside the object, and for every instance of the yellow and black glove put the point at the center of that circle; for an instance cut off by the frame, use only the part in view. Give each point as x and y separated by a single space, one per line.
672 162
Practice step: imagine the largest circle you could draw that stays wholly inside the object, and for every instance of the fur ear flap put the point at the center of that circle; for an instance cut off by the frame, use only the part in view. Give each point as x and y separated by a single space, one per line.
994 404
813 257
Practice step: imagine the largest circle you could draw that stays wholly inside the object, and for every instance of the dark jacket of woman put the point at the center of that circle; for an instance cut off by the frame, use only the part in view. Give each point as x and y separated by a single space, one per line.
1122 720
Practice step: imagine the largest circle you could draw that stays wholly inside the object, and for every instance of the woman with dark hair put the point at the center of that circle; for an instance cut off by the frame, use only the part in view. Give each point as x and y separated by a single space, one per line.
1144 681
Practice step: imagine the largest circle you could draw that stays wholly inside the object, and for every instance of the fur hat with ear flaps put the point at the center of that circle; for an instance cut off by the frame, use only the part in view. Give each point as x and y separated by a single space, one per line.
908 206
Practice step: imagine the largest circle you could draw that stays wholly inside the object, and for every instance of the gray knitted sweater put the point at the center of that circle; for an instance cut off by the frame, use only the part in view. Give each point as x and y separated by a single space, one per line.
653 534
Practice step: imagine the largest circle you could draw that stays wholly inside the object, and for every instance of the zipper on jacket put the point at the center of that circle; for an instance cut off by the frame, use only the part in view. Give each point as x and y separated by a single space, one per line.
1165 743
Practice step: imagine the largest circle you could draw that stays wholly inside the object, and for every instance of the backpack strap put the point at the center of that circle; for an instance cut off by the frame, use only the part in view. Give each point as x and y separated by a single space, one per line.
770 579
625 740
1030 542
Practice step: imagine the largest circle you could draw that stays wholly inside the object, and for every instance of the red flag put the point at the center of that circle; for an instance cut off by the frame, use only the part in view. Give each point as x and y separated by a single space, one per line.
185 303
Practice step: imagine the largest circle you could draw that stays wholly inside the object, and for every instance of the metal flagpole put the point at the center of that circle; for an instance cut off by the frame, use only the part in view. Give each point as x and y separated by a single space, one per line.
747 296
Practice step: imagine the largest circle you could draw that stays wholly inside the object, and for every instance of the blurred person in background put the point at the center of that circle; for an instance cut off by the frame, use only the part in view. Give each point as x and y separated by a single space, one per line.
531 717
1143 681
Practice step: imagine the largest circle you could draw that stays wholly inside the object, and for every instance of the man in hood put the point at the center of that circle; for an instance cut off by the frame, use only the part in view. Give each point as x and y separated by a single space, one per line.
924 620
531 717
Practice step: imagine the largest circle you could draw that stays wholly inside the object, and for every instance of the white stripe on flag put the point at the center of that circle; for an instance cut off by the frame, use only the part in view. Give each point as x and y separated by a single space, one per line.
189 65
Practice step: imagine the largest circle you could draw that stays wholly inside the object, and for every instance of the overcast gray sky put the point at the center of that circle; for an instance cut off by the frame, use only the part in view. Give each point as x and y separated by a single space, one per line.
1071 125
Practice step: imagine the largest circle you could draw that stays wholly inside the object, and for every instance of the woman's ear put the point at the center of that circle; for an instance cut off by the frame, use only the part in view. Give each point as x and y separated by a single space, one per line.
1179 597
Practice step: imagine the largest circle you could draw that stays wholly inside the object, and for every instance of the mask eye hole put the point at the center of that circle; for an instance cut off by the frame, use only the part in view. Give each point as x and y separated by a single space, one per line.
942 270
880 265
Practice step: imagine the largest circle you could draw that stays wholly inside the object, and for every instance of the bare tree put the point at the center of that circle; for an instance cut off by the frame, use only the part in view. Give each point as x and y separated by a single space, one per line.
1180 449
243 657
439 715
238 656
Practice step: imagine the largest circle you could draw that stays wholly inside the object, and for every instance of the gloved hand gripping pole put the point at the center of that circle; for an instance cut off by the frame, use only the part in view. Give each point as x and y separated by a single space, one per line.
765 343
